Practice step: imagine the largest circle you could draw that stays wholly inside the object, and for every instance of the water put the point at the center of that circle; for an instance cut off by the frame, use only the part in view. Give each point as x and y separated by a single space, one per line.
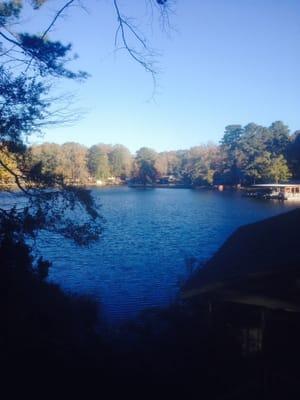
148 236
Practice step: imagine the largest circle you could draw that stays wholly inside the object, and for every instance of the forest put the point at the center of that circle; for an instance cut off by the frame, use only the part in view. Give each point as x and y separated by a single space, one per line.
245 155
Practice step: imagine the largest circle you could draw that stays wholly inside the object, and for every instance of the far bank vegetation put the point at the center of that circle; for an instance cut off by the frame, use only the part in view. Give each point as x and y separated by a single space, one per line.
245 155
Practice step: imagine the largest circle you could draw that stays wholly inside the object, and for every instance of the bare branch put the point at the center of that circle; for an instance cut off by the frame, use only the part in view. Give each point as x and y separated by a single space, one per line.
138 57
59 12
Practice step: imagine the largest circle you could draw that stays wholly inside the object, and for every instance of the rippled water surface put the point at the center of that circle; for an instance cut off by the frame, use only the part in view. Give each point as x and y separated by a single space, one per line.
148 236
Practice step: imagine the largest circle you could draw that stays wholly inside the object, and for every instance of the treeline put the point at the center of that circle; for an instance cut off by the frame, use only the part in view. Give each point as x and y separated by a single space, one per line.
79 164
245 155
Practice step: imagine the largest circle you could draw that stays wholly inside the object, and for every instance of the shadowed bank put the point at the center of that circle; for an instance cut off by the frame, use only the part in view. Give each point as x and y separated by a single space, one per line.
235 336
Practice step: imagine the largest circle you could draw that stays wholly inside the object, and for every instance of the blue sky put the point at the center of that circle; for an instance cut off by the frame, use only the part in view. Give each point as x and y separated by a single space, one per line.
223 62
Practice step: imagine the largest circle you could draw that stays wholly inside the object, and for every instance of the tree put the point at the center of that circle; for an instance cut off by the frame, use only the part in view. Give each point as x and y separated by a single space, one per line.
253 153
161 164
232 156
278 170
256 168
73 162
174 163
146 171
279 138
50 155
28 63
120 160
146 154
231 137
201 164
249 152
44 201
98 164
293 154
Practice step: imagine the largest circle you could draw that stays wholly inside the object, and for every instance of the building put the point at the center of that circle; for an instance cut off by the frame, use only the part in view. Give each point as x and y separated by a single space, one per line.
277 191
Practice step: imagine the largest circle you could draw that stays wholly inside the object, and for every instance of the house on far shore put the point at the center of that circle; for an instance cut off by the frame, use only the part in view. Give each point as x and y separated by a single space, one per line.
167 180
253 284
111 180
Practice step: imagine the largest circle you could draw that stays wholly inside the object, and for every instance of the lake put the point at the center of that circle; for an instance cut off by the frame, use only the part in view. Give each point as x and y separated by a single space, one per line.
149 234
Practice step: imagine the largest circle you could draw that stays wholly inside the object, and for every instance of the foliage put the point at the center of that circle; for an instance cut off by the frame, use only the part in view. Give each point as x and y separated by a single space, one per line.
145 161
293 154
251 153
278 169
50 155
246 155
98 162
202 164
7 159
74 162
27 63
29 60
120 161
278 139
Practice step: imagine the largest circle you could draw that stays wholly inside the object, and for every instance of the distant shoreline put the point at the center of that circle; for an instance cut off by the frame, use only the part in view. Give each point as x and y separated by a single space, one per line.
160 185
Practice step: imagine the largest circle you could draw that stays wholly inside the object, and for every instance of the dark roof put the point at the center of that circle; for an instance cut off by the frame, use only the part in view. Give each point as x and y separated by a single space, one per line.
252 254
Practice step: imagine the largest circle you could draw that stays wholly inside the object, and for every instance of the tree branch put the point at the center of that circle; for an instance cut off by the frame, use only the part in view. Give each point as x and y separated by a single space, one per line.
59 12
139 58
15 176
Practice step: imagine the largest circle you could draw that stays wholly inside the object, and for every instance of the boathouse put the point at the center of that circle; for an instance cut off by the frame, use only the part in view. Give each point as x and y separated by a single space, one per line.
280 191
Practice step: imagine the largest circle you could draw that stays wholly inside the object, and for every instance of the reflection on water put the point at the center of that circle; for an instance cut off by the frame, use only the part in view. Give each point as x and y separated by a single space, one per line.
148 235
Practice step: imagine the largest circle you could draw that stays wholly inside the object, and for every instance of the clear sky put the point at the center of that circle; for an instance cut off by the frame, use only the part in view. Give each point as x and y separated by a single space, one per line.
225 61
